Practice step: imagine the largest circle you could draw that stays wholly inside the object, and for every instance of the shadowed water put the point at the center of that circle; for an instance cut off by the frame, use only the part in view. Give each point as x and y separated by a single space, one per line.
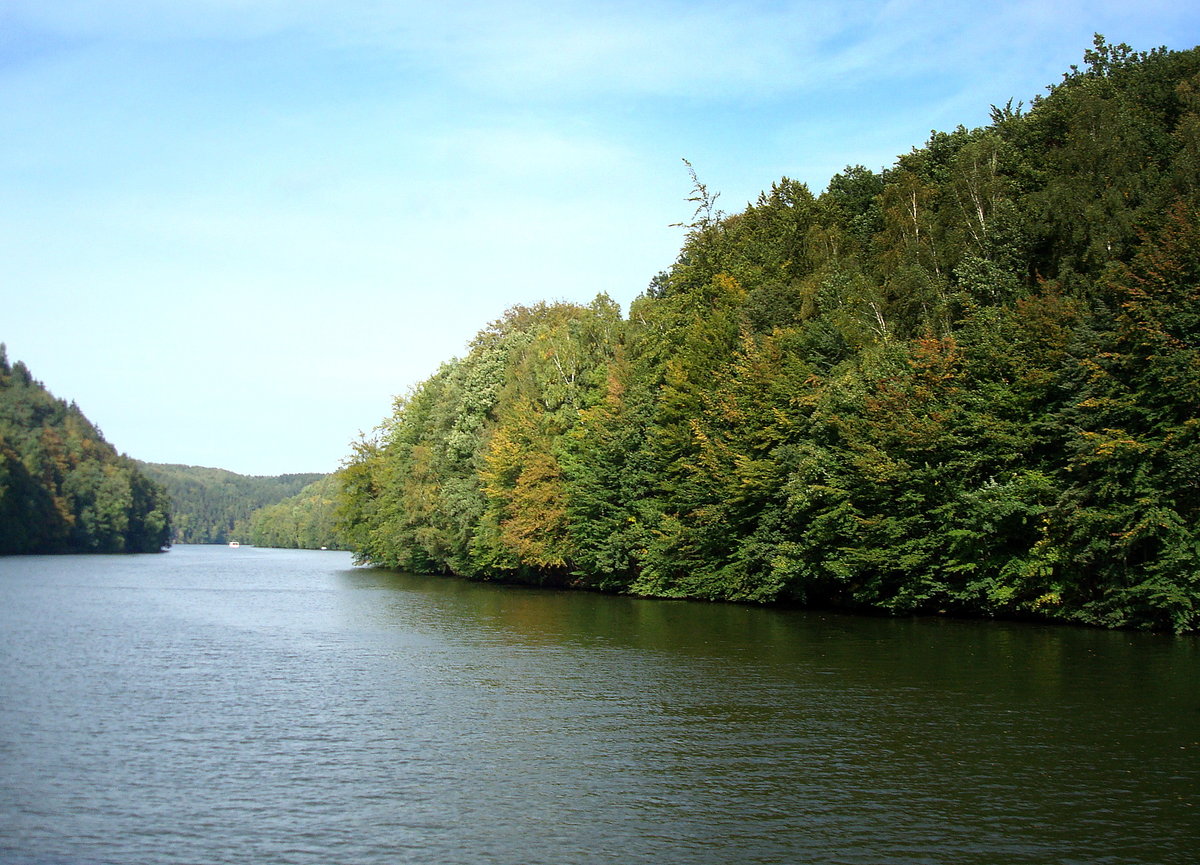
216 705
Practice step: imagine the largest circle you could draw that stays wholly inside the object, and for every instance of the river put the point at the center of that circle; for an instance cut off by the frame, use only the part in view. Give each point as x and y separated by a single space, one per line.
218 705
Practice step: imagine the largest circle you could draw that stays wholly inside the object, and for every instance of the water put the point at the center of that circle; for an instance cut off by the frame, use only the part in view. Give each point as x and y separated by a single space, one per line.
215 705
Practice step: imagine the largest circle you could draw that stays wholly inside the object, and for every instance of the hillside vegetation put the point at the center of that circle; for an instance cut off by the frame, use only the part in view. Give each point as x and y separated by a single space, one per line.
307 520
208 503
966 384
63 488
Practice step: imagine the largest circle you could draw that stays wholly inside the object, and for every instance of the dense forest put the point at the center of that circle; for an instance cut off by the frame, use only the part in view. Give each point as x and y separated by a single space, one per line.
966 384
304 521
63 488
207 504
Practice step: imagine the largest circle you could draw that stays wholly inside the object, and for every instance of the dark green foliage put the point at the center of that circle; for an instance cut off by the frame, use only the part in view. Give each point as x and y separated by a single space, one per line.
1125 535
207 504
63 488
969 384
305 521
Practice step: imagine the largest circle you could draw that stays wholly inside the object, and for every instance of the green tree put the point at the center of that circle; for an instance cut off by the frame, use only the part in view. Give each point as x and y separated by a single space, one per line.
63 488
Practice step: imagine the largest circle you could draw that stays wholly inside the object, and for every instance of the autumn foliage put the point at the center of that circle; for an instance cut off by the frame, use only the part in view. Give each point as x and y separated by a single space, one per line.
968 384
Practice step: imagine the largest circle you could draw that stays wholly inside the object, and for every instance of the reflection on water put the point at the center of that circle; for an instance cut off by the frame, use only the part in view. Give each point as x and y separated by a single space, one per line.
270 706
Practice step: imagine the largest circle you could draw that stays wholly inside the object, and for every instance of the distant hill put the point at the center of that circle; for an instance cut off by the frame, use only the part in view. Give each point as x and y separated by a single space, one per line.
63 488
307 520
207 503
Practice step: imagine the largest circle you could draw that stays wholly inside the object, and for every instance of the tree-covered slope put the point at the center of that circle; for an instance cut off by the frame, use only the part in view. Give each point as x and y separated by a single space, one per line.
208 503
969 383
63 488
305 521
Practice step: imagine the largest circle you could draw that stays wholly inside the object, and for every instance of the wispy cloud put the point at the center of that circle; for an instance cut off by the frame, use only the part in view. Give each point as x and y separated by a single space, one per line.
540 50
544 48
233 187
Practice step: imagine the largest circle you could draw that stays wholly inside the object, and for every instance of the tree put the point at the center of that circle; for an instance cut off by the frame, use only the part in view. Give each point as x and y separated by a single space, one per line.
63 488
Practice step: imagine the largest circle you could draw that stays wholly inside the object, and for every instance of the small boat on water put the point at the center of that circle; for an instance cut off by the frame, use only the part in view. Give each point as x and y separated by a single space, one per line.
234 544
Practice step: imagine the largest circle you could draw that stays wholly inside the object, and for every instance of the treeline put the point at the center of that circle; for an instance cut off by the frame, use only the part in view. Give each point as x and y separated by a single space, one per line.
306 521
63 488
208 503
967 384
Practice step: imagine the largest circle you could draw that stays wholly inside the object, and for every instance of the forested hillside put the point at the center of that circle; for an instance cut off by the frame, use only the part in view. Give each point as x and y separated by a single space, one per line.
63 488
304 521
966 384
207 503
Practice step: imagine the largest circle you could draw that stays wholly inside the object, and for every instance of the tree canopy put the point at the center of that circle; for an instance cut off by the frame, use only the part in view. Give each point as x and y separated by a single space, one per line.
63 488
212 506
966 384
305 521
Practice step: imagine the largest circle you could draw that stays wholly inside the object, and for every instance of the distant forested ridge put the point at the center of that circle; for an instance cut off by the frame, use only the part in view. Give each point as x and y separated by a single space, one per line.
208 503
304 521
967 384
63 488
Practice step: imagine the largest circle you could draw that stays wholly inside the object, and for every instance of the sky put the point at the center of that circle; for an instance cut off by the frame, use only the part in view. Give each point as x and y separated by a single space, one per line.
233 231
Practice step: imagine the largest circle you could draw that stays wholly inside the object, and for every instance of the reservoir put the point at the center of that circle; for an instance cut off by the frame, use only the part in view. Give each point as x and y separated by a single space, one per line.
217 705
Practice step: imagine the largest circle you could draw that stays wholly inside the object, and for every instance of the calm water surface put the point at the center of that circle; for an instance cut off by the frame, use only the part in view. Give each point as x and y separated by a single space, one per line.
215 705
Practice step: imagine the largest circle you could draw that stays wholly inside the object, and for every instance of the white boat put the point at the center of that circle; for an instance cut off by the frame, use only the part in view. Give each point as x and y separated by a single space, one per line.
234 544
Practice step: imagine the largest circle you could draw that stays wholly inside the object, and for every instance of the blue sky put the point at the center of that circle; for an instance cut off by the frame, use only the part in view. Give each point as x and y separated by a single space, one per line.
233 230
